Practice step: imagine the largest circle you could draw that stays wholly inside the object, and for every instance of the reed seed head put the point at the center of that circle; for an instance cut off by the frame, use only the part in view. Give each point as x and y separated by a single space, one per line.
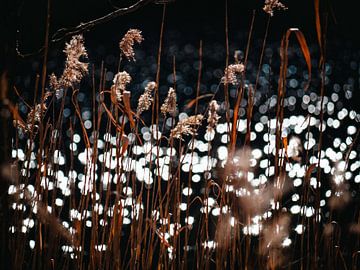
127 43
169 105
231 74
271 5
187 126
146 98
213 117
120 81
74 69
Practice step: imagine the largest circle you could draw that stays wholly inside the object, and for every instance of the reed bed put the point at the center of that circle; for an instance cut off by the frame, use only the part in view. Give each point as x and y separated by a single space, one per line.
145 198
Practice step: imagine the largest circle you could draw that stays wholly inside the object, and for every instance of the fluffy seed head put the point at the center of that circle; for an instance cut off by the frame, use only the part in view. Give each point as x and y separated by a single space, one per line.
74 69
213 117
146 99
35 115
273 235
169 105
271 5
187 126
231 73
127 43
120 81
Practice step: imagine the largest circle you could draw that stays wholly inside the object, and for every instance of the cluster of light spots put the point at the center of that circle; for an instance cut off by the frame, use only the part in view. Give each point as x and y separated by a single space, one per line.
151 159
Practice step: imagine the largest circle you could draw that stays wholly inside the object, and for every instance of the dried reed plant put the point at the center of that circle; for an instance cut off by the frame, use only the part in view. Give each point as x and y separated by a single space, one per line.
131 211
127 43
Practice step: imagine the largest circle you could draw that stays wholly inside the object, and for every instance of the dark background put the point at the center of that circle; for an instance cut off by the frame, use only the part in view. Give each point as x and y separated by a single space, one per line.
192 17
23 23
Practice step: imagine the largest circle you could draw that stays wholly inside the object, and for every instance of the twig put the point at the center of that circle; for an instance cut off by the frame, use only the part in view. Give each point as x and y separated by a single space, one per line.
63 33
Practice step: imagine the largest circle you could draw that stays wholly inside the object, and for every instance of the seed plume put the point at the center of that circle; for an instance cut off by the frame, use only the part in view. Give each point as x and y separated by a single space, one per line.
213 117
74 69
120 81
231 73
169 105
187 126
146 99
271 5
127 43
